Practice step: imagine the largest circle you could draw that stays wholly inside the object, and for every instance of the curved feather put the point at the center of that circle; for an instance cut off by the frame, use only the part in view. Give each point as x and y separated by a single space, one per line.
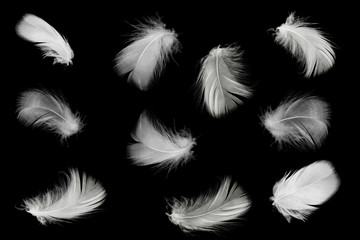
296 195
35 29
299 121
220 80
74 198
40 108
150 48
309 45
211 212
157 145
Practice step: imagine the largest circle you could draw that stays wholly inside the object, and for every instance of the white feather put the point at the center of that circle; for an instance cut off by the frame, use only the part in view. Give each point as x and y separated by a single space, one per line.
296 195
35 29
74 198
211 211
309 45
40 108
157 145
151 45
299 121
220 79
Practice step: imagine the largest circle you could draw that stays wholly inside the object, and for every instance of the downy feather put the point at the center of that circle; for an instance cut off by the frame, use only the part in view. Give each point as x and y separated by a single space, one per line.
307 44
43 109
35 29
211 211
299 121
145 57
72 199
220 80
297 195
157 145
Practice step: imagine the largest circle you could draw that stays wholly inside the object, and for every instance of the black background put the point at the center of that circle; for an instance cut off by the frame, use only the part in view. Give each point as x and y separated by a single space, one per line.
235 145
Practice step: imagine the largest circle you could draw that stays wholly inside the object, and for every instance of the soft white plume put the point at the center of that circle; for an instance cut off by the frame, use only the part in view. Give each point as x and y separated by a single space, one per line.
40 108
146 55
220 80
157 145
297 195
309 45
299 121
73 198
212 211
35 29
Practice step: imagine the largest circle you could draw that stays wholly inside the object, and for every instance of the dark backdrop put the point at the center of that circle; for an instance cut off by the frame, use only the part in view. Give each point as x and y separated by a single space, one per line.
235 145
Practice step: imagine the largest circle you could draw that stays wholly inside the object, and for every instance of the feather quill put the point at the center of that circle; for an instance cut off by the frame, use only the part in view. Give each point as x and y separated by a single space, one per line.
299 121
145 57
40 108
52 43
213 211
296 195
72 199
307 44
220 80
157 145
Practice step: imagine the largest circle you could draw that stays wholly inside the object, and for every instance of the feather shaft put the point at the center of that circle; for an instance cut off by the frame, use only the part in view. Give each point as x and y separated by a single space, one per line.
299 117
148 45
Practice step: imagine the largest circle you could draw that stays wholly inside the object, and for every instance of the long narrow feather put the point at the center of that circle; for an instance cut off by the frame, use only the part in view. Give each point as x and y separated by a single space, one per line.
299 121
35 29
211 212
296 195
157 145
146 55
40 108
72 199
307 44
220 80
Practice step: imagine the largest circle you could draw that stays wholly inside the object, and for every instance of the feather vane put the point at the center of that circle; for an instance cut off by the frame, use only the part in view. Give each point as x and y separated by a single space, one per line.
211 212
145 57
307 44
76 197
299 121
220 79
297 195
52 43
40 108
157 145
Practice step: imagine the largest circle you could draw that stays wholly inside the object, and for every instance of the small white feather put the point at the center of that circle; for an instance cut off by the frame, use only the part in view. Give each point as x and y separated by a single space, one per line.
40 108
35 29
72 199
211 211
299 121
307 44
157 145
297 195
145 57
220 80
